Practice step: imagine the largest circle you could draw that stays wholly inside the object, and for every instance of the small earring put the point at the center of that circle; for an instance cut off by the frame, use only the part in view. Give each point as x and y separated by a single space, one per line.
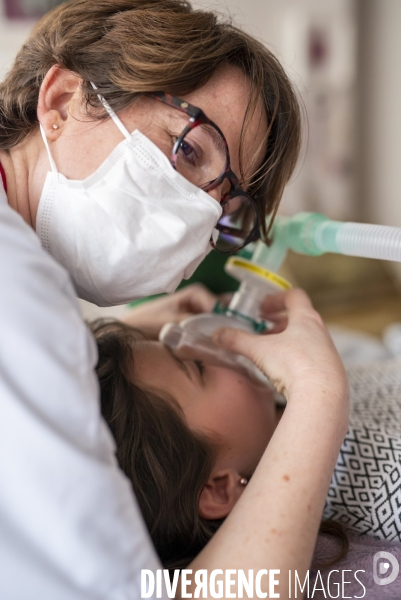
55 126
243 481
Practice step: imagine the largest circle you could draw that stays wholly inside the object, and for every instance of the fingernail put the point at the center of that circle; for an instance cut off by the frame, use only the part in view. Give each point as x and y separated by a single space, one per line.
218 336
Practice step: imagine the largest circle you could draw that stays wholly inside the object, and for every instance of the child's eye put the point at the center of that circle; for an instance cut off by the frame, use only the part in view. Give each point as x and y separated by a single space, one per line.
200 366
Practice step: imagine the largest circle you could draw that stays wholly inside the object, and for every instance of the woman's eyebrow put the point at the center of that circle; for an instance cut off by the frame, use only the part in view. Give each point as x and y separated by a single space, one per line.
181 364
208 129
217 140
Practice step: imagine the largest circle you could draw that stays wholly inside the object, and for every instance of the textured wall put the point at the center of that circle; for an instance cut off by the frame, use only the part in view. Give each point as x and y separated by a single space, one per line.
380 106
317 44
12 36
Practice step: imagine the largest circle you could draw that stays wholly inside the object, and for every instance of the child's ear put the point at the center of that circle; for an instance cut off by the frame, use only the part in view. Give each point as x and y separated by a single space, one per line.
220 494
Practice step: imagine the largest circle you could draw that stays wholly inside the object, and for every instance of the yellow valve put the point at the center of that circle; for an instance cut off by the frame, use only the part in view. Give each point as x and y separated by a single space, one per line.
235 265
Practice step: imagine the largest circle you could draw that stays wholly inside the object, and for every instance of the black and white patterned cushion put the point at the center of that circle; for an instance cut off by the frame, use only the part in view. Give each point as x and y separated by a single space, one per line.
365 491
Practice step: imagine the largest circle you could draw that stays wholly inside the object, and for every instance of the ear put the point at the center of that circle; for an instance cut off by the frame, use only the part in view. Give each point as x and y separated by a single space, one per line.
220 494
55 94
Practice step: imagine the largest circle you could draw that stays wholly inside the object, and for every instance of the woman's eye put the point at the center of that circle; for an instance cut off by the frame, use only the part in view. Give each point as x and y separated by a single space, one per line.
200 366
188 152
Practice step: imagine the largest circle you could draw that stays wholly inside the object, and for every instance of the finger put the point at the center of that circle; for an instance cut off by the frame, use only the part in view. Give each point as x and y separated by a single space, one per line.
273 303
277 322
300 308
278 326
293 300
278 316
238 341
197 298
225 298
297 299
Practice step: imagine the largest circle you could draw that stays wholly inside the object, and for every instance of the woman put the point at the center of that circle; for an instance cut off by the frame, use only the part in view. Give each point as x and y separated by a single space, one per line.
82 65
121 222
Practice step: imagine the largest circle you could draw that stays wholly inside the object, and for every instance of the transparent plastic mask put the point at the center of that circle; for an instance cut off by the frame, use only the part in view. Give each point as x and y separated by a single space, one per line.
191 344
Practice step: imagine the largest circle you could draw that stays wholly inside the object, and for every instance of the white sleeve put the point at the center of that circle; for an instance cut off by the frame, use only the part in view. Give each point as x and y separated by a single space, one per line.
70 527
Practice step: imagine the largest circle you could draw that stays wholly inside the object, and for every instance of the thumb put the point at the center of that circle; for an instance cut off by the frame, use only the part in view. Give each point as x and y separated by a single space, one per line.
238 341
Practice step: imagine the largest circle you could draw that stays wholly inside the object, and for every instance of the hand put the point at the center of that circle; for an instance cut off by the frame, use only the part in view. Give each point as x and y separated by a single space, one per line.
273 311
151 316
301 356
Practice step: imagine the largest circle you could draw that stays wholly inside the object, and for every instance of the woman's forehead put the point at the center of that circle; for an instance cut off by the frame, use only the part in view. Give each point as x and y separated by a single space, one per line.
224 99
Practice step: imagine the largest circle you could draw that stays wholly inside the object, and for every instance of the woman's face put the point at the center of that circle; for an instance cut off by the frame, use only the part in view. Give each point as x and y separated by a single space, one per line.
80 144
216 401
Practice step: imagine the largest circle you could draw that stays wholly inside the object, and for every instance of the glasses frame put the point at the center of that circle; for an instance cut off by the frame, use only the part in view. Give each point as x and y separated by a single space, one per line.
196 118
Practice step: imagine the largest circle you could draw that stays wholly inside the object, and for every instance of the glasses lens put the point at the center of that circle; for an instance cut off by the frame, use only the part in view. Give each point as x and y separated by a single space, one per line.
235 225
201 156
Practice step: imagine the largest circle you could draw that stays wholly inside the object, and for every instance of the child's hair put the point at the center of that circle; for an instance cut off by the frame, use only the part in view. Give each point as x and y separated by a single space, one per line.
132 47
167 463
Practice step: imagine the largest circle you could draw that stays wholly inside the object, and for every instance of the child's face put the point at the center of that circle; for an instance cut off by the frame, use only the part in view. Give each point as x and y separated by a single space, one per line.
217 401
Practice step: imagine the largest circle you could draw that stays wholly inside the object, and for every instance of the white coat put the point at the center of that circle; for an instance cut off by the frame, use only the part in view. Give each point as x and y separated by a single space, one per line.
70 527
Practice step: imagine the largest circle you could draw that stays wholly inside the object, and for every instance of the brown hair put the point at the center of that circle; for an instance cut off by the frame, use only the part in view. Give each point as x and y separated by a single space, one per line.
131 47
167 463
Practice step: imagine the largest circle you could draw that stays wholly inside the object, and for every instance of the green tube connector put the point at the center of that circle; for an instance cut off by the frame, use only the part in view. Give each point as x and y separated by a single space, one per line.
305 233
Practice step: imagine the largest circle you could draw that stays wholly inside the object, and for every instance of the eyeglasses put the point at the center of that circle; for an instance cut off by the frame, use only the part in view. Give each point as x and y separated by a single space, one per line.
201 155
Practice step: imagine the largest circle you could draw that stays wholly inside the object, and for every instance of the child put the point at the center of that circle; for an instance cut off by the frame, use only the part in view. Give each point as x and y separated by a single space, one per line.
190 435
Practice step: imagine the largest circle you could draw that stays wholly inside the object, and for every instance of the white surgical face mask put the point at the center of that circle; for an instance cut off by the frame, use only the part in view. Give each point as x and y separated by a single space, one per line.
135 227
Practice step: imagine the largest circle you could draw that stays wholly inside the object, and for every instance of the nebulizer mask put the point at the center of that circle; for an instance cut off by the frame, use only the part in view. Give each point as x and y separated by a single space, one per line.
306 233
192 337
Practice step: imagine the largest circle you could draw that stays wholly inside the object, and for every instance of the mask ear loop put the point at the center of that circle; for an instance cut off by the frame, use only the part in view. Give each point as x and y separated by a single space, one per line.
49 154
113 115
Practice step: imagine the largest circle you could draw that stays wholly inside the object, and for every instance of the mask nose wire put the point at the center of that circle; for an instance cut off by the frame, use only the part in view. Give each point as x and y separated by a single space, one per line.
112 114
